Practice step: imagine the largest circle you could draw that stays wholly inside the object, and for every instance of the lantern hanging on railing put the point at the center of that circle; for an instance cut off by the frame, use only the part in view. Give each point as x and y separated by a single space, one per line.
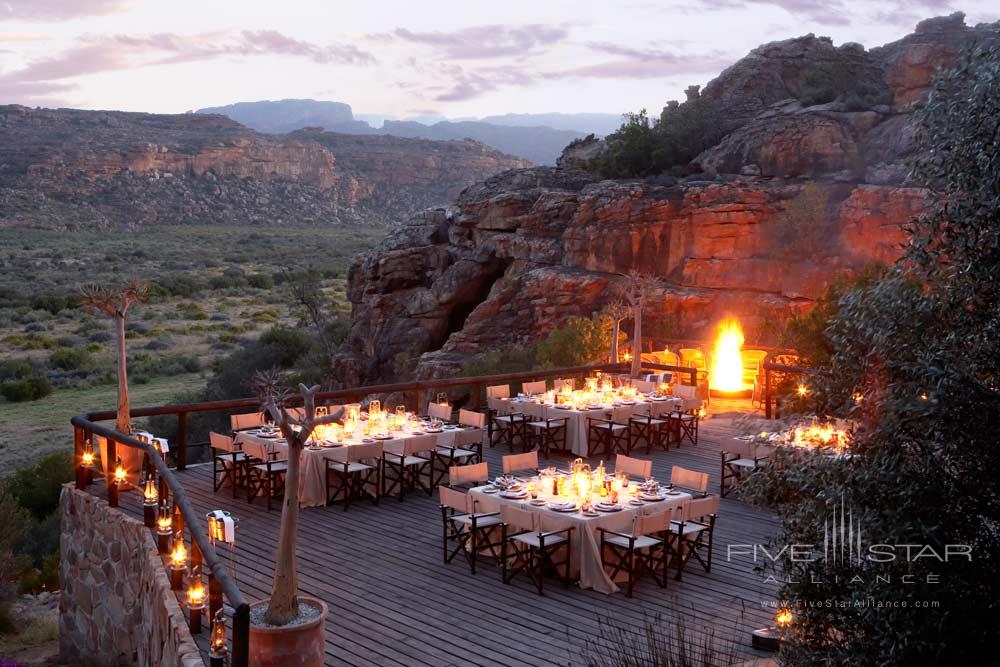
164 527
88 459
150 496
120 476
221 527
218 650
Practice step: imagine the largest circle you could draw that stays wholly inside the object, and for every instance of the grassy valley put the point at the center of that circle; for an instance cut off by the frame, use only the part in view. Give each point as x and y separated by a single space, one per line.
212 290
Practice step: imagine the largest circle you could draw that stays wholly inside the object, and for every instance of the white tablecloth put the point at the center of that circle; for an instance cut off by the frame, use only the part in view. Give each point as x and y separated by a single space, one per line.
576 420
585 557
312 471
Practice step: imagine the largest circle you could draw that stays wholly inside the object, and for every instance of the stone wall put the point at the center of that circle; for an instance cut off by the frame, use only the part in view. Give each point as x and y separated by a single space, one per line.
116 605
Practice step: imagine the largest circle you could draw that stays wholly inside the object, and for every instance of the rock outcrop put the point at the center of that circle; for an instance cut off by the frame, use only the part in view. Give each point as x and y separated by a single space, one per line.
69 167
523 251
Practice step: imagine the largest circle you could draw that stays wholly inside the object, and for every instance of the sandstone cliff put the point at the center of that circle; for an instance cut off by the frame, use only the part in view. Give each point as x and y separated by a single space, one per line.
69 167
523 251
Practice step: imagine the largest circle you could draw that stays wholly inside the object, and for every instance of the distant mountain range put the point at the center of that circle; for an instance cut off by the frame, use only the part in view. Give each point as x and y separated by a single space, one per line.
539 138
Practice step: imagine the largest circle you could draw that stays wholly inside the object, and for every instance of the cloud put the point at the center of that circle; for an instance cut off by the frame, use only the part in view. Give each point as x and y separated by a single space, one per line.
466 85
92 55
837 12
644 63
57 10
486 41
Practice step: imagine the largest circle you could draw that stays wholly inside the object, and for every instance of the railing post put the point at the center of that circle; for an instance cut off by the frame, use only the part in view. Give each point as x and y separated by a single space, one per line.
182 440
78 445
241 636
767 393
214 595
109 475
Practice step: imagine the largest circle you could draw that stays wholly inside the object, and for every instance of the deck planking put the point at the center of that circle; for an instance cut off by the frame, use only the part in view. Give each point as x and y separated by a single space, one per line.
394 602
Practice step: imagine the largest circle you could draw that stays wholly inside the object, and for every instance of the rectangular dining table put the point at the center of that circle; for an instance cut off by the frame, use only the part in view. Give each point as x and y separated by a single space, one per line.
312 471
585 555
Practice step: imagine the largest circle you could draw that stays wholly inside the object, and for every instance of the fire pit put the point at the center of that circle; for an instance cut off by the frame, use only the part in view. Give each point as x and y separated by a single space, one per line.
725 378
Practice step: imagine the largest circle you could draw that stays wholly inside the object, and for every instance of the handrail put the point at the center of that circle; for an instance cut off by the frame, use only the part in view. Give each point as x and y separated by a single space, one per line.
771 367
216 569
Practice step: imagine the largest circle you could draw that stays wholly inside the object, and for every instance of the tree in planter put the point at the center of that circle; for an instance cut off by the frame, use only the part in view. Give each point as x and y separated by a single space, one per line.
617 310
916 361
283 606
115 302
636 289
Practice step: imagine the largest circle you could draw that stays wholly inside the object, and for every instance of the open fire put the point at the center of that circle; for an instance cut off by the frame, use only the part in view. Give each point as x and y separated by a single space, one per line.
726 371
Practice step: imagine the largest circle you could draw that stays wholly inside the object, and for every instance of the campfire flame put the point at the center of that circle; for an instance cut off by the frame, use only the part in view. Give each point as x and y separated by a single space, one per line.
727 362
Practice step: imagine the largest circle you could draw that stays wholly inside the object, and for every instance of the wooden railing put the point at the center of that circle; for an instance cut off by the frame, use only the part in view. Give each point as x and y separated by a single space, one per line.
86 428
202 553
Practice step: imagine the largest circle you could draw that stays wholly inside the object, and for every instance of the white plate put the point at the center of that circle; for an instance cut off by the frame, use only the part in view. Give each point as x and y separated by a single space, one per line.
490 489
435 430
651 499
514 495
636 503
673 493
537 502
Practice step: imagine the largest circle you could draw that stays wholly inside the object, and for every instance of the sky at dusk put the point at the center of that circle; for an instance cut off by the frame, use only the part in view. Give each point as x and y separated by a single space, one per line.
402 58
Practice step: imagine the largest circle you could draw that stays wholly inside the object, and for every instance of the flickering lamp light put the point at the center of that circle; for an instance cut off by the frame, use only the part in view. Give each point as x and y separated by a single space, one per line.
178 554
858 397
627 356
783 618
923 396
150 494
802 390
702 412
165 521
120 474
196 594
217 648
88 457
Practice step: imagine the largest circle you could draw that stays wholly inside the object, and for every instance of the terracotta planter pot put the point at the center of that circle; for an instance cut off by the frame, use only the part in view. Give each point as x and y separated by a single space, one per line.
291 646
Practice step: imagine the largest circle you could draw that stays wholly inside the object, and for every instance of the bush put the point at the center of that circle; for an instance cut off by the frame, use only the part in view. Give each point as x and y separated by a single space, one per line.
803 228
69 359
260 281
37 487
15 369
191 311
28 389
578 342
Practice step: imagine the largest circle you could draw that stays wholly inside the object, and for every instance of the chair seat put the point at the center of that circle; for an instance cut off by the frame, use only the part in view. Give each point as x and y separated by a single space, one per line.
651 422
407 461
275 467
228 457
508 418
613 427
547 425
690 528
481 522
352 468
531 539
641 542
455 453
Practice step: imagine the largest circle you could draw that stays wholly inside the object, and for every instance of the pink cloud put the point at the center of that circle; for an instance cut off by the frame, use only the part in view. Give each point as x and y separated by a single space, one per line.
58 10
486 41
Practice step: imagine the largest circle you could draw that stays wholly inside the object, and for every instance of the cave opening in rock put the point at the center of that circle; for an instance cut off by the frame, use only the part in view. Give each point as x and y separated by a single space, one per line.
463 307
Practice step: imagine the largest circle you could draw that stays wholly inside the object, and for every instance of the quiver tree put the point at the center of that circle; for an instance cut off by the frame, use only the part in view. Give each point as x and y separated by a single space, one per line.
636 289
114 302
617 310
283 607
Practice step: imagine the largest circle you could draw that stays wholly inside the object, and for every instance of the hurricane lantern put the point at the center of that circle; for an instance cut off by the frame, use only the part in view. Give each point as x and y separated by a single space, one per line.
150 494
218 650
88 459
120 475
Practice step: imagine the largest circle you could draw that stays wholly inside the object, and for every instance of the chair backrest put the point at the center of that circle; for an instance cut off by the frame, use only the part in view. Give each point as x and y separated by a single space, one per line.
517 518
752 359
671 358
684 390
692 357
534 387
689 479
363 452
635 467
498 391
702 507
442 412
419 444
245 421
470 418
515 462
532 409
622 413
256 449
644 386
456 500
219 441
564 382
476 472
648 524
744 449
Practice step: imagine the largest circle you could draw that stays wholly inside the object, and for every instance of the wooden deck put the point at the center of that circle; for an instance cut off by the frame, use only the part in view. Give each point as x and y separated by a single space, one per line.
393 602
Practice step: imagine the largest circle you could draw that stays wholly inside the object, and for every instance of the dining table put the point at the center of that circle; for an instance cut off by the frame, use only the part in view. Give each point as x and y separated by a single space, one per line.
585 548
349 449
576 418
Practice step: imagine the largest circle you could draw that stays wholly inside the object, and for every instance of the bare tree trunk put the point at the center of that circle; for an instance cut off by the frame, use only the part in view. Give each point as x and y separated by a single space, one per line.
637 341
284 604
614 340
124 421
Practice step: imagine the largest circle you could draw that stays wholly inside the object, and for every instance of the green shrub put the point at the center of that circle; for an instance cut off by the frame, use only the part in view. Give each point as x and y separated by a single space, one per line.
804 227
69 359
260 281
191 311
28 389
36 487
15 369
578 342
